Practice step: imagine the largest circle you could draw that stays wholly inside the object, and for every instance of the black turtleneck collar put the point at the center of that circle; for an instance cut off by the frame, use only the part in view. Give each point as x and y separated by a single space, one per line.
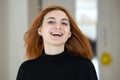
61 57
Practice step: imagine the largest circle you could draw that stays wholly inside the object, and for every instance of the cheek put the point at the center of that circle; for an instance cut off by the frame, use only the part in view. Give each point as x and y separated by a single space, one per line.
45 31
67 30
69 35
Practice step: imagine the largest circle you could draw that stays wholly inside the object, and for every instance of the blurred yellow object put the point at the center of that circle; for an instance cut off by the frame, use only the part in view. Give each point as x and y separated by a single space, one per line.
106 58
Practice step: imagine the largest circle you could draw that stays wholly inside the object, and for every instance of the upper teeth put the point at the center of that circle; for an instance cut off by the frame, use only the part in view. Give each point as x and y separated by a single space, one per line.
56 33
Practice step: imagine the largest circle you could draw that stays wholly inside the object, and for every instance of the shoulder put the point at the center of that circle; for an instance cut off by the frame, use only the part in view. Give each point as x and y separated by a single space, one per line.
82 62
29 63
80 59
88 64
26 68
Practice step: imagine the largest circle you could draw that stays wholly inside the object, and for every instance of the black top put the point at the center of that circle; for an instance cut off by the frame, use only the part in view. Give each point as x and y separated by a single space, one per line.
57 67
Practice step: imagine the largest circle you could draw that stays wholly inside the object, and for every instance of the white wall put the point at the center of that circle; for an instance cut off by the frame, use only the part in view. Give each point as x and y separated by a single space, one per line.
17 24
21 13
109 37
69 4
4 53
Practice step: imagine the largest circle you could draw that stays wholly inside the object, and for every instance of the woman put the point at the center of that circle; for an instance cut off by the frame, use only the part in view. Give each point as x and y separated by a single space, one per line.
56 49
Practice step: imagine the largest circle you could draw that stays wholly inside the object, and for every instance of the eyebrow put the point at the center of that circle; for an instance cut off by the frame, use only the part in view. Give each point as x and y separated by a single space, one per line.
51 18
65 19
61 19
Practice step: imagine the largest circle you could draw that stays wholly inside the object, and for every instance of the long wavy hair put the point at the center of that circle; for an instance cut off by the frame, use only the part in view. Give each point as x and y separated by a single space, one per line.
77 44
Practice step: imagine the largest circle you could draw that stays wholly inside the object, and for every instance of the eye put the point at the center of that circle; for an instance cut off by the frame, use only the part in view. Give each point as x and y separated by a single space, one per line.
51 22
64 23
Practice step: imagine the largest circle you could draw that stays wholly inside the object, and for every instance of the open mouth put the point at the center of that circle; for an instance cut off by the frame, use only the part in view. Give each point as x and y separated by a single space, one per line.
57 34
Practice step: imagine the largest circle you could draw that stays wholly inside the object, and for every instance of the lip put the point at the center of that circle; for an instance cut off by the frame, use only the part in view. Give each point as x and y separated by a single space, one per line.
56 34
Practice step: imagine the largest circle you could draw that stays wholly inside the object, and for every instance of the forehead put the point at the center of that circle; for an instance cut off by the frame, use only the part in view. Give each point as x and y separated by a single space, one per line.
57 14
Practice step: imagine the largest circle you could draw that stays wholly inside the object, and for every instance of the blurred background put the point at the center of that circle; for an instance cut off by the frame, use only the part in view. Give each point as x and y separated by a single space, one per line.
99 20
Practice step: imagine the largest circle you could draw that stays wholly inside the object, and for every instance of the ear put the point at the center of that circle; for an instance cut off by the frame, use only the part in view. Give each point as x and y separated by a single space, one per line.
69 34
39 31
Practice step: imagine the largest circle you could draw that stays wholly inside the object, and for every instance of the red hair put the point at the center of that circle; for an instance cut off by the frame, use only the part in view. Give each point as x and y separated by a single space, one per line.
77 44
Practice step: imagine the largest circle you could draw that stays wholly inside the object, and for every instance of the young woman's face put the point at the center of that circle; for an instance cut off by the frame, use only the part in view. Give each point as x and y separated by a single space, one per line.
55 28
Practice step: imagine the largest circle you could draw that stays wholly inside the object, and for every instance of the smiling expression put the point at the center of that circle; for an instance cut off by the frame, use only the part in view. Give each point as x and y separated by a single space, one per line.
55 28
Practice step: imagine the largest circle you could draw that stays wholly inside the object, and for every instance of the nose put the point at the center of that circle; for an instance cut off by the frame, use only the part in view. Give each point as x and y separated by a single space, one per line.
58 26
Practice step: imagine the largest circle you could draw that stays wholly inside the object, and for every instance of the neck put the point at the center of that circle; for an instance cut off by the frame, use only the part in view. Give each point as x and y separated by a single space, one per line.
54 49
